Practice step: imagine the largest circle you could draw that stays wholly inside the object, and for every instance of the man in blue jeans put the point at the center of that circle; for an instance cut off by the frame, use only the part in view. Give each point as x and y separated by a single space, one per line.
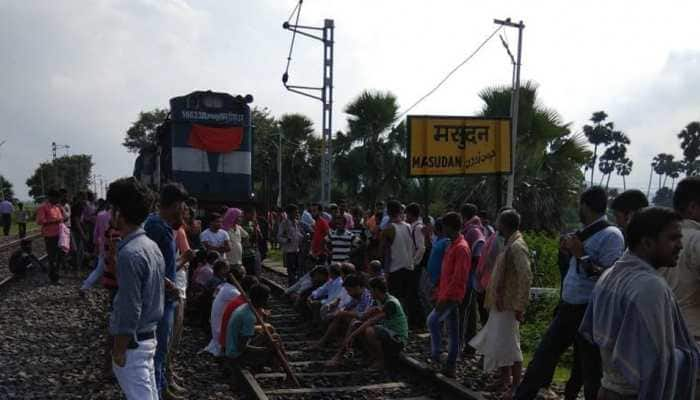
160 228
452 286
592 249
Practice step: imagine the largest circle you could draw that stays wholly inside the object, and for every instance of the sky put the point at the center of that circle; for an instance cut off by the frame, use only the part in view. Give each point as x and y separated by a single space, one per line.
78 72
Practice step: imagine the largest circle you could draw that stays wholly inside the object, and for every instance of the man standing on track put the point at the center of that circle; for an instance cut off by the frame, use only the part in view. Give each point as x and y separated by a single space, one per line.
159 228
49 216
289 236
321 229
138 304
6 210
452 285
397 244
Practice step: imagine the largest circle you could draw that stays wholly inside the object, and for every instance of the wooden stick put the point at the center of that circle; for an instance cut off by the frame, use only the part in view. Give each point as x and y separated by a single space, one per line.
279 352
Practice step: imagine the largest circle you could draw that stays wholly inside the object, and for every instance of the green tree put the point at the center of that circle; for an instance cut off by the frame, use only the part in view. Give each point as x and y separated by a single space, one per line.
143 131
301 159
624 168
674 171
549 160
369 158
265 131
664 197
613 155
69 172
662 165
690 143
6 189
600 133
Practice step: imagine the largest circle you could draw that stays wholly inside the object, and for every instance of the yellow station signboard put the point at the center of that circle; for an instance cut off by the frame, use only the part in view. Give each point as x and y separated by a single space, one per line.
457 146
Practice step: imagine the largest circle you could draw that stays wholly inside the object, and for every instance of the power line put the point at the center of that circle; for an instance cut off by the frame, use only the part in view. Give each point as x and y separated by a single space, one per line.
455 69
297 9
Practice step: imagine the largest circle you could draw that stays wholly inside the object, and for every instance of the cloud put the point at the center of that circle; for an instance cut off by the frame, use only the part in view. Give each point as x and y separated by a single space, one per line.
78 72
654 111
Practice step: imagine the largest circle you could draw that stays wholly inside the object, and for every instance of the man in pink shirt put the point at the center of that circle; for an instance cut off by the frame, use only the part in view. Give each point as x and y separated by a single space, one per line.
473 304
101 225
49 216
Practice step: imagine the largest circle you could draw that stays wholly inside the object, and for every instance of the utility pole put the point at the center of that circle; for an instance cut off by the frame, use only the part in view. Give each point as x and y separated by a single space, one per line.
651 174
279 170
326 96
2 189
514 104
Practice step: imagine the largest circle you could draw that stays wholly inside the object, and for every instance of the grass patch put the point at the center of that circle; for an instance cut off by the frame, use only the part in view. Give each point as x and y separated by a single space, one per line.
274 255
537 318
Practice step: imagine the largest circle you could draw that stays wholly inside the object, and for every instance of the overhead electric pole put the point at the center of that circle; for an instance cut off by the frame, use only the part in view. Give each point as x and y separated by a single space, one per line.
55 147
279 170
2 189
514 104
326 92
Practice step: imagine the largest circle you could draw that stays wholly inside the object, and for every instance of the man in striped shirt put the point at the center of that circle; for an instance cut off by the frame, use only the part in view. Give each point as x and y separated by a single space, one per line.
340 240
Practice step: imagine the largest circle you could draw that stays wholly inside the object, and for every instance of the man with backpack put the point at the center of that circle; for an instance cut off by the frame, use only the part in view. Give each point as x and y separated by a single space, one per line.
591 250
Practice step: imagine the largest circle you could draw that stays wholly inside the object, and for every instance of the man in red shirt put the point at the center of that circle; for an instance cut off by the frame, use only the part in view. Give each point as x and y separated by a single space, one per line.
321 228
248 282
49 216
452 286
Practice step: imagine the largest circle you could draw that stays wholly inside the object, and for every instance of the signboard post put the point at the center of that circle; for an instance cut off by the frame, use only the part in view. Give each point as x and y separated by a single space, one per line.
458 146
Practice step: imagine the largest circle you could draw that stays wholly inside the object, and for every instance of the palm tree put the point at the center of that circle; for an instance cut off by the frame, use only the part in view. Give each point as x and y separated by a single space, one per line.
660 163
613 155
690 143
367 158
549 159
674 171
606 166
301 157
624 168
598 134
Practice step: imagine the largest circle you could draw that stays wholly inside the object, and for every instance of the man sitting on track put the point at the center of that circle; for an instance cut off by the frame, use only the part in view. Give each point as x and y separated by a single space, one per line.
23 258
300 294
360 299
245 345
246 284
384 330
225 292
325 294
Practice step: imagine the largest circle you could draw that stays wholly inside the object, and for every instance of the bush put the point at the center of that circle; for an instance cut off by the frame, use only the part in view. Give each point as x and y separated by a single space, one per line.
544 249
538 315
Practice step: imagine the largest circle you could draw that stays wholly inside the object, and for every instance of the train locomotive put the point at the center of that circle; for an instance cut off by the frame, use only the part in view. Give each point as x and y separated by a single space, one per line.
206 144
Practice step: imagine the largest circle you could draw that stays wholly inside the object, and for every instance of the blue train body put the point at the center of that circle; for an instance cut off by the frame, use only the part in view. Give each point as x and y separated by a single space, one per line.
207 145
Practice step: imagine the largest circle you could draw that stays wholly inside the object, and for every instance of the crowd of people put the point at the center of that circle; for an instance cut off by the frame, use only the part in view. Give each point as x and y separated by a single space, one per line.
629 292
368 281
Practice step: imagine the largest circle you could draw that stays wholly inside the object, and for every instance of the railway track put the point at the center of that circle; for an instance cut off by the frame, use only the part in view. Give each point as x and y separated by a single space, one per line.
409 379
11 243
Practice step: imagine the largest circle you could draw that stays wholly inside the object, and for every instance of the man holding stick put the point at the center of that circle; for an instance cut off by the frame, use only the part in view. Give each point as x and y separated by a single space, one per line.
248 345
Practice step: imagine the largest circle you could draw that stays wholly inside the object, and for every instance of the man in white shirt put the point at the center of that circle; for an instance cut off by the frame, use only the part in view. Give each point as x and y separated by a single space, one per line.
397 242
215 238
417 311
